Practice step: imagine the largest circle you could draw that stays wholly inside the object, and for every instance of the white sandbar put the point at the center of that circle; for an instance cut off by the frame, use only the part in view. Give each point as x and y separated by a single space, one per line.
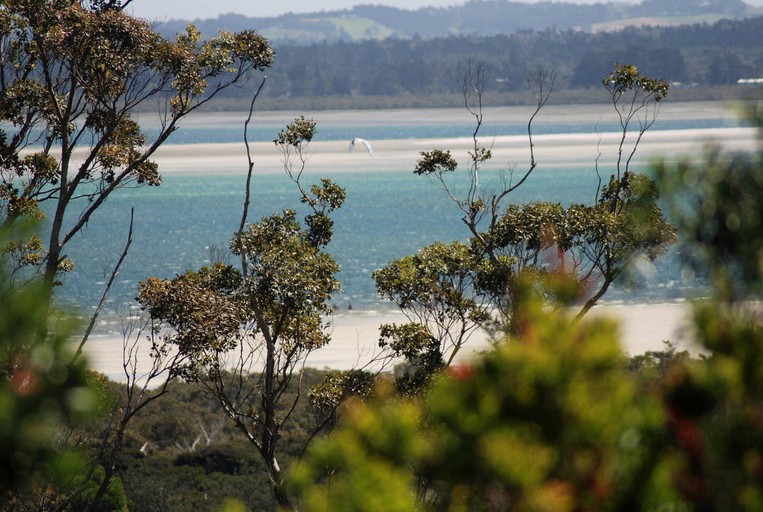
355 337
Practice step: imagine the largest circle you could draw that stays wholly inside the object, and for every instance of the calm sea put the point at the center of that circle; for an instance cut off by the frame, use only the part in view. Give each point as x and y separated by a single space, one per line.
386 216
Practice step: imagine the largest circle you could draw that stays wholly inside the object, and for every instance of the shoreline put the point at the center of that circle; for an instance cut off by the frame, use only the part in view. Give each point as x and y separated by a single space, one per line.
551 151
642 328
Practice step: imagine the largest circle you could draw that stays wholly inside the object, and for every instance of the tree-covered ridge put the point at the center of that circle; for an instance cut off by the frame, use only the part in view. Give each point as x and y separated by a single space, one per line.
475 17
425 69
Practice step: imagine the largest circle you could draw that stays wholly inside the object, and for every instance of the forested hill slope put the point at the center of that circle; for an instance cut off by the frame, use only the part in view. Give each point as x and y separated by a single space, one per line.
425 72
474 17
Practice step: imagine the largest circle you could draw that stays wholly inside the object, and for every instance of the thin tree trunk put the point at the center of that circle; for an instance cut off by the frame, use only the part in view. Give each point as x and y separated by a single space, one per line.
279 492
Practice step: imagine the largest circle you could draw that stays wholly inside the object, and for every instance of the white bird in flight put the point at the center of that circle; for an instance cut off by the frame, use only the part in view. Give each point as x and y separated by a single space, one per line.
358 140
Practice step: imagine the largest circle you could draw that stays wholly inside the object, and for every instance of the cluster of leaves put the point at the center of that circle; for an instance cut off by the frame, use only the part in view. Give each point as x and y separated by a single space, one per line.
550 421
327 397
289 278
288 286
296 134
436 161
546 422
204 308
439 289
626 78
72 74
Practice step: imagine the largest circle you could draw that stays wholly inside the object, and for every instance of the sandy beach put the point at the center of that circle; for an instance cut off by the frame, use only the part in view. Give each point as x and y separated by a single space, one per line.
355 337
509 152
551 150
355 334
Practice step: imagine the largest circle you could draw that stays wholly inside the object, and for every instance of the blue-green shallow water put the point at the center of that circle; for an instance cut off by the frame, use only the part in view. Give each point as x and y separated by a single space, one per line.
386 216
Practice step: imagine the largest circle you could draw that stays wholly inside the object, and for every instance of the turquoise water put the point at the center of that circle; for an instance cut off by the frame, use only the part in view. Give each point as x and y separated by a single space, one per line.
386 216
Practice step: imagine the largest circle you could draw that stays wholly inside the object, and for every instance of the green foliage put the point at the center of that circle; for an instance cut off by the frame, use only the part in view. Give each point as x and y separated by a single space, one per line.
288 275
324 199
421 351
329 196
716 407
337 387
722 465
288 286
377 448
654 364
438 291
628 221
524 233
626 78
436 161
435 275
548 422
411 341
299 132
271 313
202 308
23 253
113 500
282 291
73 75
551 421
160 481
41 388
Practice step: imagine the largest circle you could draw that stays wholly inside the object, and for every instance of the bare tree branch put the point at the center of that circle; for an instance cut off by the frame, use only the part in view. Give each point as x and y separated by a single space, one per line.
109 284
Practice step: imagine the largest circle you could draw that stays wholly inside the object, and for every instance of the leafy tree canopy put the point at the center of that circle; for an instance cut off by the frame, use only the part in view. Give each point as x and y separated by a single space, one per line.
72 76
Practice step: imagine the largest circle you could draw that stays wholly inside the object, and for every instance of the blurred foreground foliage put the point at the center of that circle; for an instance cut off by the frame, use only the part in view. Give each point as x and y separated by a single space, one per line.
42 388
553 420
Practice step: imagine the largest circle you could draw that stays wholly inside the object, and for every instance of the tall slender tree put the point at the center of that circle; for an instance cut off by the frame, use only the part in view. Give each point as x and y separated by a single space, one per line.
73 73
247 331
479 284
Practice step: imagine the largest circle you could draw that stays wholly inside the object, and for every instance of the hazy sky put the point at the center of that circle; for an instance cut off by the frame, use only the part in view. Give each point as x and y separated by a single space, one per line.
191 9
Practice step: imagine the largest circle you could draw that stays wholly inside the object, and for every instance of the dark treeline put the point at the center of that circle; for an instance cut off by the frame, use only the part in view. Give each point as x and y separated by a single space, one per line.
699 54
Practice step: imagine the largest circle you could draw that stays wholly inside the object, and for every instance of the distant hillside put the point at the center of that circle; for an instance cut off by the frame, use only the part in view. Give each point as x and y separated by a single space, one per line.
475 17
